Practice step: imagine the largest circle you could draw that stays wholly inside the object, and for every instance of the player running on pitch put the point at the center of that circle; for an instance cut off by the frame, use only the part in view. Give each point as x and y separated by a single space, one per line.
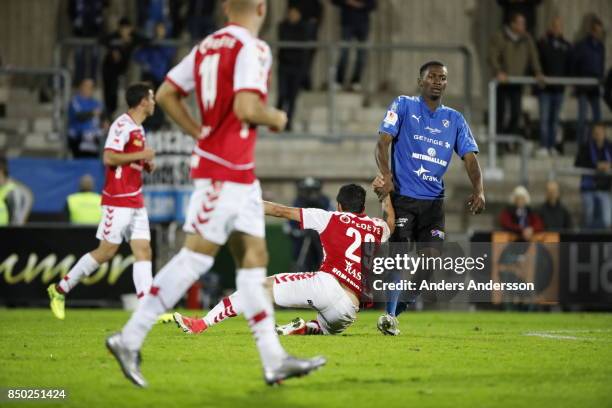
229 72
334 290
124 213
423 134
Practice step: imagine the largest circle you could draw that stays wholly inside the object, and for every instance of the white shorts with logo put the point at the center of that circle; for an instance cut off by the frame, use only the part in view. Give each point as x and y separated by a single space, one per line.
123 223
319 291
217 208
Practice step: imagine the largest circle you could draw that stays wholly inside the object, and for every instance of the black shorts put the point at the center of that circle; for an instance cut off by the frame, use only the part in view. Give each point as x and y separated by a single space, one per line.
420 221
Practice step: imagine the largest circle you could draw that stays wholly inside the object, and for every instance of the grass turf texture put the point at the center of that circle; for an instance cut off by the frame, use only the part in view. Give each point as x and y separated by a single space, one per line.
440 360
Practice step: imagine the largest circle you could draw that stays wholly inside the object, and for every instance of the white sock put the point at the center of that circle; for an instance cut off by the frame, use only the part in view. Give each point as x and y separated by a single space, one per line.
259 312
229 306
84 267
169 285
143 276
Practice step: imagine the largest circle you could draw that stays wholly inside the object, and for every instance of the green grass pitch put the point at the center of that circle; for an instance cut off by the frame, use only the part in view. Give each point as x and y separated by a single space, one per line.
483 359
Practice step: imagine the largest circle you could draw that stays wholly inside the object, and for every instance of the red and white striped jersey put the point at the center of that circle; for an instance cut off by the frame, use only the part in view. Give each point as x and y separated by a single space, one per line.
226 62
123 184
342 234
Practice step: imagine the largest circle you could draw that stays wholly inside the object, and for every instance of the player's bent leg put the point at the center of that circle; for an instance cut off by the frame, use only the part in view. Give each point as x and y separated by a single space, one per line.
85 266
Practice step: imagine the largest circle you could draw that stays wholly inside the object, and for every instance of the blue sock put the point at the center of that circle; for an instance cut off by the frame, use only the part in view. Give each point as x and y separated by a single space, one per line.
393 296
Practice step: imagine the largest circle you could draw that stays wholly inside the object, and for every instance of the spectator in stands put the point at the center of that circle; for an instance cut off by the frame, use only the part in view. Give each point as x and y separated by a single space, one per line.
201 18
83 207
512 52
555 53
588 61
7 195
307 250
519 217
120 45
527 8
87 17
596 154
291 62
151 12
312 13
84 121
354 25
554 214
155 59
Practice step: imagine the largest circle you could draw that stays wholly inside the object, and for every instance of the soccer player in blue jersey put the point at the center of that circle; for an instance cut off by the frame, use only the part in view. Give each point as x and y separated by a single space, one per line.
422 134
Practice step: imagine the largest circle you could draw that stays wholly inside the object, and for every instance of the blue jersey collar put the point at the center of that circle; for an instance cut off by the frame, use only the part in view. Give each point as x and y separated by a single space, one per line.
429 111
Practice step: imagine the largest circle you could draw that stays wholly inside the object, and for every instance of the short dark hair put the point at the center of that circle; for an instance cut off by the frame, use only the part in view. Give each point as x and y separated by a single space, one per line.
136 93
352 198
4 165
428 65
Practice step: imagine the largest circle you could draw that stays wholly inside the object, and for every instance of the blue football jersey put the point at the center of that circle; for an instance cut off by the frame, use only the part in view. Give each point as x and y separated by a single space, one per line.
423 144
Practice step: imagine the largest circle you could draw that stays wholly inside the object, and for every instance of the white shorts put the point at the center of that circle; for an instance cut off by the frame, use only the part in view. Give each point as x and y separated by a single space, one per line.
120 223
217 208
319 291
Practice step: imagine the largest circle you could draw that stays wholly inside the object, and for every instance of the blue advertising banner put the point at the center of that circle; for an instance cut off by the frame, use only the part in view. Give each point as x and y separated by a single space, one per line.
52 180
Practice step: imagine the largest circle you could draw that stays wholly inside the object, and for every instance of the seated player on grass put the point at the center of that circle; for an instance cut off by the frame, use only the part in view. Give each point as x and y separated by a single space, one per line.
334 290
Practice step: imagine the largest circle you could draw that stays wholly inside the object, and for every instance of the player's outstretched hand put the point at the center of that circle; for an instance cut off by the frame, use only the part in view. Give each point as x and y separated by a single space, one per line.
382 186
280 122
476 202
148 154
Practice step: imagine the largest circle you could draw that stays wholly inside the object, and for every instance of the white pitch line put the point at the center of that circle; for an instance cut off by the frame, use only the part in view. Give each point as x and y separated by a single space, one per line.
549 335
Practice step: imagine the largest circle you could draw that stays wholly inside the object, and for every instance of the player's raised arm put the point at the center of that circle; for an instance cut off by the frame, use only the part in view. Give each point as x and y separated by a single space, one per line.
249 108
113 158
476 201
172 101
281 211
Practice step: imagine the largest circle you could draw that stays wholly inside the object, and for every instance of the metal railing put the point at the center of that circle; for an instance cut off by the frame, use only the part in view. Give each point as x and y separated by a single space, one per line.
575 172
331 49
62 80
492 171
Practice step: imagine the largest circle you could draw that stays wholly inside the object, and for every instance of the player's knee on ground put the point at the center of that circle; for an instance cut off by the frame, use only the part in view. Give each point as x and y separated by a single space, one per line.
104 252
336 324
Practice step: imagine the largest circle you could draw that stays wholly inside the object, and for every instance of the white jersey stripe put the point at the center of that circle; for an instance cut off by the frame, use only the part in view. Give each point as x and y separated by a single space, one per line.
223 162
123 195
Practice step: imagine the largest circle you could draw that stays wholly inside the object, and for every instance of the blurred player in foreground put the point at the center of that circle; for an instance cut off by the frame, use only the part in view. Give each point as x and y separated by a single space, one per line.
124 213
229 72
422 134
334 290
